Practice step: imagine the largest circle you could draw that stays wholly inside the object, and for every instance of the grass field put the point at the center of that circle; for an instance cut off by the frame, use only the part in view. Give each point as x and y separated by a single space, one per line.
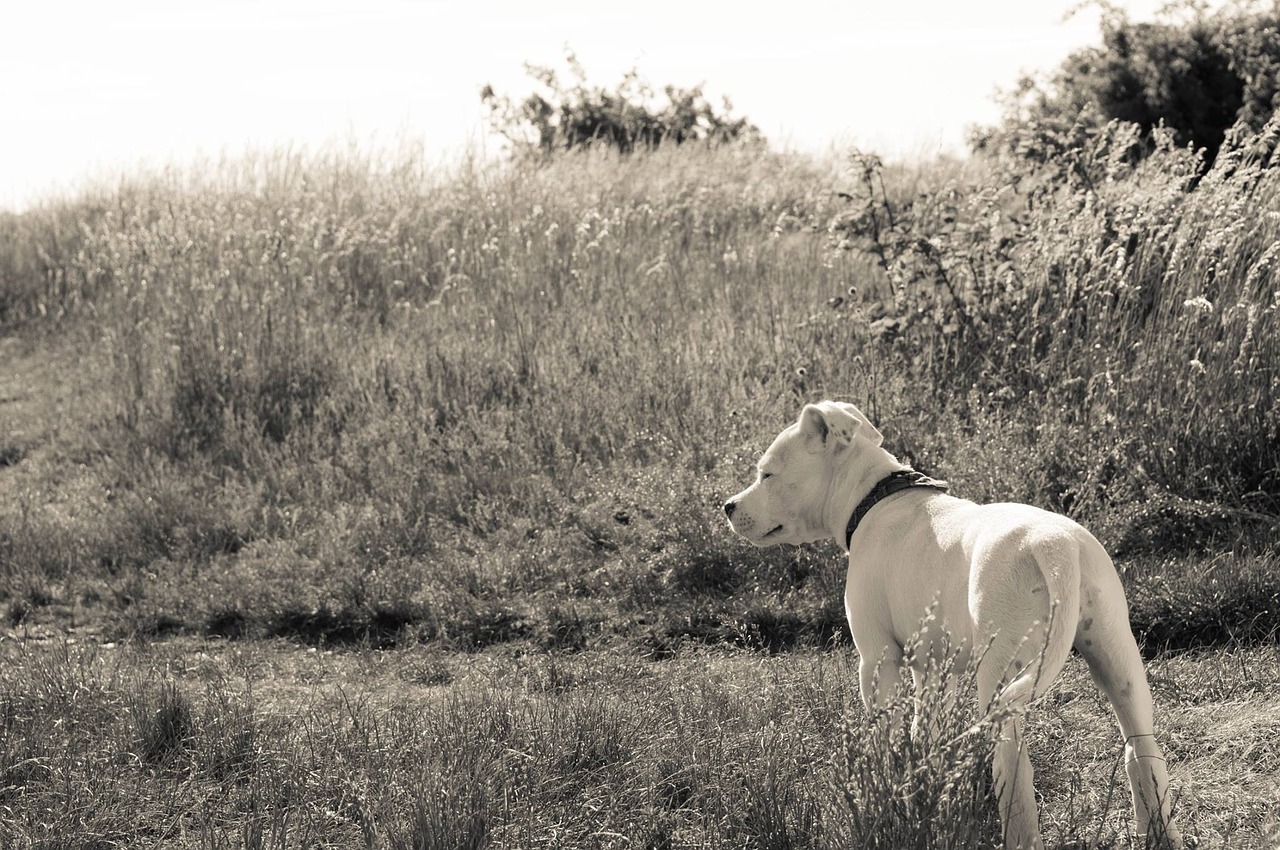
347 502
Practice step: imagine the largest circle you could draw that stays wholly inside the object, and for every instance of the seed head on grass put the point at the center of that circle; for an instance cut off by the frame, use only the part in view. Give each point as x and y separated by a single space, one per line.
913 772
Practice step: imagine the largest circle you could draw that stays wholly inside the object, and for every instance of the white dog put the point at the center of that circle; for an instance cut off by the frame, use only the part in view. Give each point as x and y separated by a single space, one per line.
1023 584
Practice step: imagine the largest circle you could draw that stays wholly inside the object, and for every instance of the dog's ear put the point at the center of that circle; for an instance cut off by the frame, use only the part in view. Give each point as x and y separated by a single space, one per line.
813 427
866 430
832 424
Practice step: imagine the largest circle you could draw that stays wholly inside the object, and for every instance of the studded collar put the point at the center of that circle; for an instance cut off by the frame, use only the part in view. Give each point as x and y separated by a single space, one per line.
887 486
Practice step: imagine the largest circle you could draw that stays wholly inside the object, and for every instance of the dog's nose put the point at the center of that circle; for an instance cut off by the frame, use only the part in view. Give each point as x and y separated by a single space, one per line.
729 508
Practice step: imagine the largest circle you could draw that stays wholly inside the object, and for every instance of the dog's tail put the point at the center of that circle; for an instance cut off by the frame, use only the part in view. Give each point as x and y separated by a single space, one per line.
1041 650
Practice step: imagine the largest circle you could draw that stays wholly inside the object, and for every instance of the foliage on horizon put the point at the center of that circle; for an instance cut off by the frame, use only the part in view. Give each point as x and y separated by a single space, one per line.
630 117
1194 72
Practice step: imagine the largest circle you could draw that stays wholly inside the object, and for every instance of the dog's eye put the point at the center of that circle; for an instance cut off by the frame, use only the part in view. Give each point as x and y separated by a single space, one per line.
764 476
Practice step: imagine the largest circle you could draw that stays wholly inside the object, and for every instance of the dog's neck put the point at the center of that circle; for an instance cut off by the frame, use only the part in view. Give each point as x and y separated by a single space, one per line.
851 484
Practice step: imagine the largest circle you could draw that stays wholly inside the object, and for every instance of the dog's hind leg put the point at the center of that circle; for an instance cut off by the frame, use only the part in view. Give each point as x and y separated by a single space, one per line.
1104 639
1028 647
1011 771
1034 660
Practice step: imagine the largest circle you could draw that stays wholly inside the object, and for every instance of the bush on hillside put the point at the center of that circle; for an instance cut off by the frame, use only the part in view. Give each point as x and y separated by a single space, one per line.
628 118
1134 300
1197 75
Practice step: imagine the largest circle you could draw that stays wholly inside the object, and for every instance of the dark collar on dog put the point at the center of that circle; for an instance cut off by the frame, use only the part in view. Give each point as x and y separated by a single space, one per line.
887 486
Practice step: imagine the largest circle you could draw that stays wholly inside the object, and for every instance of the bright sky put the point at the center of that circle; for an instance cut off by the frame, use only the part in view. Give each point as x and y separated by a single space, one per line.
95 88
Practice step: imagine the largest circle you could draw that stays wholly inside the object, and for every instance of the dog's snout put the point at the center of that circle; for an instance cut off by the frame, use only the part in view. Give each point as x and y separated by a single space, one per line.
729 507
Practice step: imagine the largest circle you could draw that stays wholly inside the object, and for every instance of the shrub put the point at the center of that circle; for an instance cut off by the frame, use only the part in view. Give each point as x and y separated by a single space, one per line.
1197 75
1135 304
628 118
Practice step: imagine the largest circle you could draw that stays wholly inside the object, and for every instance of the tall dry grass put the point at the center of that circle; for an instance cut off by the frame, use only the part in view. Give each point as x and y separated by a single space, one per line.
349 395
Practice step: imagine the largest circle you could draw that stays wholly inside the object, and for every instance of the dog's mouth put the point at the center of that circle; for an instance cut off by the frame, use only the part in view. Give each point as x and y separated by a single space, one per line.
769 534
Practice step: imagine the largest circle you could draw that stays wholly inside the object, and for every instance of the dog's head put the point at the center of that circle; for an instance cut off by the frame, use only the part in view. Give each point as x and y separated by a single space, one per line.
796 475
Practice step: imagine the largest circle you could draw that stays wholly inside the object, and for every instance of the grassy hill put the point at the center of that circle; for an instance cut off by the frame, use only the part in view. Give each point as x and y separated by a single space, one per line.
443 422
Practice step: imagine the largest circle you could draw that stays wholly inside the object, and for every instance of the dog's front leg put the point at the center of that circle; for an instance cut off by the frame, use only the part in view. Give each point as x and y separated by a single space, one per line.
879 677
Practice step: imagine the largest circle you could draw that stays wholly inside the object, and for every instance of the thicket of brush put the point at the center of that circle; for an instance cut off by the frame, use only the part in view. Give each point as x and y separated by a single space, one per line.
339 397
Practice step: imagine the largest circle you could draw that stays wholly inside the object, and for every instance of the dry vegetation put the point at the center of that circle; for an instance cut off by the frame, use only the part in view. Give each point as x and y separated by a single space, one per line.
352 503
